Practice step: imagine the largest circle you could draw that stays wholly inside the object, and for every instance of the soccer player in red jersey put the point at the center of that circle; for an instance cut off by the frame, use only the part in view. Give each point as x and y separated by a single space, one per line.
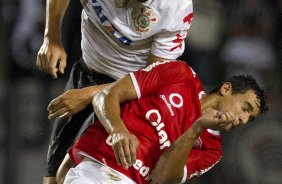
157 125
117 37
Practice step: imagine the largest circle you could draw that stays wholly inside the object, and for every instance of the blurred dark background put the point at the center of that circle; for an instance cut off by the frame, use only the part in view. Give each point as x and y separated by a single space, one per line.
226 38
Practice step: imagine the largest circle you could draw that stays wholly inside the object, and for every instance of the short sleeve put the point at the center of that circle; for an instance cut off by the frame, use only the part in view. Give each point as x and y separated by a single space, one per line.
170 42
205 157
157 75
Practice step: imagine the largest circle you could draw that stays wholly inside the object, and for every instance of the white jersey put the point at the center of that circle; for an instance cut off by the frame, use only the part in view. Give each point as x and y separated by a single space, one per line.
116 41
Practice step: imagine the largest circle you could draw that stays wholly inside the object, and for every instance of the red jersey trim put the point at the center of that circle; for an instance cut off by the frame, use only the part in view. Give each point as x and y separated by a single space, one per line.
201 172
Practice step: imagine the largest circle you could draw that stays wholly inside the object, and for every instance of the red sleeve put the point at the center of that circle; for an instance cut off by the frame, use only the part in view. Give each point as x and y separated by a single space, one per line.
202 159
159 74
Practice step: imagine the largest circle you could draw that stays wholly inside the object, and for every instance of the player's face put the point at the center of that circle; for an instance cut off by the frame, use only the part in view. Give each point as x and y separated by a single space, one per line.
245 107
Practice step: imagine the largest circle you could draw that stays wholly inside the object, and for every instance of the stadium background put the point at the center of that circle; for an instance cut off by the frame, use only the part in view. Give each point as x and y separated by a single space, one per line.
226 37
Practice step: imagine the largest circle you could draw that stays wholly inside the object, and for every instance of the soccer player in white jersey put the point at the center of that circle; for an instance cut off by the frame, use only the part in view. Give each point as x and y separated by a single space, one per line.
163 131
118 36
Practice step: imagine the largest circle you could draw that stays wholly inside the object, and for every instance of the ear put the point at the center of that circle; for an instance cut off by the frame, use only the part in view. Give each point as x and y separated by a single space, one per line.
226 89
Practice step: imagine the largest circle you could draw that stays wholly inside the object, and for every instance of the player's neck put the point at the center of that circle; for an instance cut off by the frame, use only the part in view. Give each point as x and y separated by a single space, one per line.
209 101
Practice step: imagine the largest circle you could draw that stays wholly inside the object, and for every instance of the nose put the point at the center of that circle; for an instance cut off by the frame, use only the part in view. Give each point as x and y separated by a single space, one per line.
244 118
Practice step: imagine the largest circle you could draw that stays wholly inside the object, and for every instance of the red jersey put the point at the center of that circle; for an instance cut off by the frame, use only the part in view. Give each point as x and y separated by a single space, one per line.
168 104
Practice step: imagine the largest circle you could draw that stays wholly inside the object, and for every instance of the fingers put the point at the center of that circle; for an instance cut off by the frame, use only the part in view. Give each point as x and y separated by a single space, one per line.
123 154
61 113
63 64
54 104
133 148
51 59
52 68
125 150
40 62
226 120
119 146
57 108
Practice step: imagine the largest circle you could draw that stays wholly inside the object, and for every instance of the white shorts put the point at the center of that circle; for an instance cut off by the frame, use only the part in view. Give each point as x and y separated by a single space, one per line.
88 172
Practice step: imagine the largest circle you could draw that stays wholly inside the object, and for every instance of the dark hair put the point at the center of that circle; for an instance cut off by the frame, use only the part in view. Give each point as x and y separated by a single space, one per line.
243 83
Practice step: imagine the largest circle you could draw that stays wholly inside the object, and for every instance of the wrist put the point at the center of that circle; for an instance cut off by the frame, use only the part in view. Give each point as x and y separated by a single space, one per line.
197 128
52 37
118 129
93 90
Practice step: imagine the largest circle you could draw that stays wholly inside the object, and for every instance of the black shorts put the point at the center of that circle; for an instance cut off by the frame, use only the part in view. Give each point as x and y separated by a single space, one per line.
65 131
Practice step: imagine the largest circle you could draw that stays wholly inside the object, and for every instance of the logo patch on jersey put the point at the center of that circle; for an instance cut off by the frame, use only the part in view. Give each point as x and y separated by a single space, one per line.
142 19
163 97
174 100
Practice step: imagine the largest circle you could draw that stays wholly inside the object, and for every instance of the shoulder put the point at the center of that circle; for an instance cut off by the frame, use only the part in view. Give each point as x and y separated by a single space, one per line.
177 69
171 65
175 11
171 4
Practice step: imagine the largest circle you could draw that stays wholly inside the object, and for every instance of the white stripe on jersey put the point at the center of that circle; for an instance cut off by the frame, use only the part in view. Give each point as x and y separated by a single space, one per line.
135 83
184 175
214 132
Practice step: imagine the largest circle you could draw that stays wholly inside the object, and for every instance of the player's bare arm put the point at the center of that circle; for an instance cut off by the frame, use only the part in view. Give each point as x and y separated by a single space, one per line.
75 100
106 104
169 168
72 101
51 57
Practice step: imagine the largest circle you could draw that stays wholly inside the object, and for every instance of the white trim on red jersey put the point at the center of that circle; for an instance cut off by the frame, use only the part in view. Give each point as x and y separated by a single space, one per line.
135 83
214 132
201 172
185 174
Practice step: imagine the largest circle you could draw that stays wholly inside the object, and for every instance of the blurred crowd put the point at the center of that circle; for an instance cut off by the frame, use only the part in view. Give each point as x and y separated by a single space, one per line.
226 38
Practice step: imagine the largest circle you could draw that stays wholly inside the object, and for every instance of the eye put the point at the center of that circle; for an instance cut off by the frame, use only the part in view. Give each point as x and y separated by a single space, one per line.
244 109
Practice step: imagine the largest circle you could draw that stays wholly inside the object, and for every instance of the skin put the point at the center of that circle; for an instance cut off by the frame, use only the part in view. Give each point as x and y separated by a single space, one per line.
107 108
75 100
63 169
52 59
222 110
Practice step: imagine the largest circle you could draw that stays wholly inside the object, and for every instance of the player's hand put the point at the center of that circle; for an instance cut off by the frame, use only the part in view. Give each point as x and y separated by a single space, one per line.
223 121
51 58
125 145
68 104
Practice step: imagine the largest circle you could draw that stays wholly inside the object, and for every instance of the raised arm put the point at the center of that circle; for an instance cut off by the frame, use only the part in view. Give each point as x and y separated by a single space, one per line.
106 104
170 166
51 57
